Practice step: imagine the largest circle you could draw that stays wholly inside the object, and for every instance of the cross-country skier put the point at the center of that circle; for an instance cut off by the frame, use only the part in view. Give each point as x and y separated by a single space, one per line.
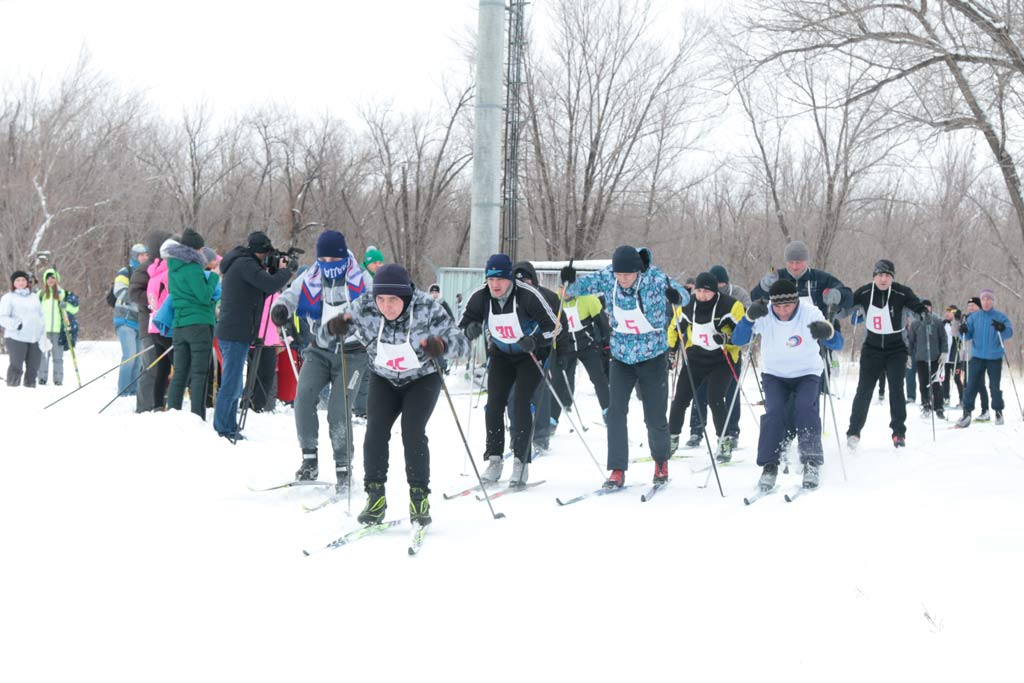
986 329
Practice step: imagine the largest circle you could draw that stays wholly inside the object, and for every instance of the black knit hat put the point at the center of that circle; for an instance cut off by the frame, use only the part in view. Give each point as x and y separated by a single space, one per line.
720 273
783 292
975 300
192 239
884 266
392 279
21 273
525 270
626 259
707 281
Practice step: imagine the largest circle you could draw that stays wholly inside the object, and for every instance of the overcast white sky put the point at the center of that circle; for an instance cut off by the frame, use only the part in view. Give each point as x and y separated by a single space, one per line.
316 55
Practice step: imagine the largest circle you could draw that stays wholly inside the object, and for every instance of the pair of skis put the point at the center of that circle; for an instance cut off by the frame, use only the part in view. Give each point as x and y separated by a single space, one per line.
416 537
645 497
789 497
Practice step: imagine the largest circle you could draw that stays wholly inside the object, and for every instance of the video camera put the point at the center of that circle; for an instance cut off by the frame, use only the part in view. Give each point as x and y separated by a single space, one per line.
274 256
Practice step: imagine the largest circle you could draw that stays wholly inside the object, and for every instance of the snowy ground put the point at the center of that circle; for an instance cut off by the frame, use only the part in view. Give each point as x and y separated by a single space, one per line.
135 551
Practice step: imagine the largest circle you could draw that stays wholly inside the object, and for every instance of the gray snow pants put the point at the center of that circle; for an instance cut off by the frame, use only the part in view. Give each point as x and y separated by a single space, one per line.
319 369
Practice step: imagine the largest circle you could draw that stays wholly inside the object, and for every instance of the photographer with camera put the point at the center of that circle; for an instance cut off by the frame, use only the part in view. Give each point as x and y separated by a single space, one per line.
249 274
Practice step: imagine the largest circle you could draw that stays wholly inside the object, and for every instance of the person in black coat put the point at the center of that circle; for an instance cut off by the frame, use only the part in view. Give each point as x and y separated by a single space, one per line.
824 289
881 303
245 285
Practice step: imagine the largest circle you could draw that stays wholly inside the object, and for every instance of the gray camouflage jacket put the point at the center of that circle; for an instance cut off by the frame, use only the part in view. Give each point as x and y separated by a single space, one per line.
424 316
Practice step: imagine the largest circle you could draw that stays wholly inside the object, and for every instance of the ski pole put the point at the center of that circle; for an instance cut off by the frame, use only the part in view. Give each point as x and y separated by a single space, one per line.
288 349
1010 373
348 416
66 322
728 415
132 383
757 376
476 470
693 389
835 425
568 415
75 391
931 384
470 364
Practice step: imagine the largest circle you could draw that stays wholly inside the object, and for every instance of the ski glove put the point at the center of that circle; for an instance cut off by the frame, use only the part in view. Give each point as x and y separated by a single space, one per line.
673 296
758 309
528 344
338 325
963 328
433 346
718 338
279 315
832 297
473 330
998 326
568 274
645 258
768 280
821 330
858 316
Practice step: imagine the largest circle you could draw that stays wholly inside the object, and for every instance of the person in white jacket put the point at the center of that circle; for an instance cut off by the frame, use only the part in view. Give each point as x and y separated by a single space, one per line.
21 316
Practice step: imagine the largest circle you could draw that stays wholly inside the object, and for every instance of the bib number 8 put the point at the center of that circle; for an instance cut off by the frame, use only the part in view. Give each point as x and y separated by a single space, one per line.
876 322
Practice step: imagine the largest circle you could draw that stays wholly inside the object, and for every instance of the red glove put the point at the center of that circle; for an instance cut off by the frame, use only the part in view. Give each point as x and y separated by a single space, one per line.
433 346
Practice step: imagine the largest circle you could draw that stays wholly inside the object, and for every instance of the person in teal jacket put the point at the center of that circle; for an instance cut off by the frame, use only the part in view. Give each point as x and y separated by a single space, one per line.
193 290
985 329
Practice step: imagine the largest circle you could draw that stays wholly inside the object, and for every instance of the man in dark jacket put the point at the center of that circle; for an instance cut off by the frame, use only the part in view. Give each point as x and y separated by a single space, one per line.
145 397
246 284
824 289
882 301
926 339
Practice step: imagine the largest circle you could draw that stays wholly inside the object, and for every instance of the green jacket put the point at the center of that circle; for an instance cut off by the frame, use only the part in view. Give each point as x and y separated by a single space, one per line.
51 306
188 284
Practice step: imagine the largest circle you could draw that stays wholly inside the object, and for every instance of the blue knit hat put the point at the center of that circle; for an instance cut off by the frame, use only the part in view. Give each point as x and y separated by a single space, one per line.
499 265
392 279
331 244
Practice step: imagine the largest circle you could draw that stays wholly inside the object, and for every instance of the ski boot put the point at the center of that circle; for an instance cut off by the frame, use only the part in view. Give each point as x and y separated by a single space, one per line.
899 441
852 441
419 506
725 446
810 476
376 504
615 480
964 421
999 417
673 444
42 382
493 471
694 441
309 470
768 475
344 478
520 474
984 417
660 472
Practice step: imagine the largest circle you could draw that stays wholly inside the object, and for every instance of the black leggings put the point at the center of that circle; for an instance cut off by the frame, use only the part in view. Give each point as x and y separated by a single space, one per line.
415 402
504 371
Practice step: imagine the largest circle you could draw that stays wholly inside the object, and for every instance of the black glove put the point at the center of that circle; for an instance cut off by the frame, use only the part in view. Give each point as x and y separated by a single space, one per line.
963 328
19 327
821 330
756 310
528 344
279 315
568 274
998 325
673 296
473 330
433 346
338 325
645 259
718 338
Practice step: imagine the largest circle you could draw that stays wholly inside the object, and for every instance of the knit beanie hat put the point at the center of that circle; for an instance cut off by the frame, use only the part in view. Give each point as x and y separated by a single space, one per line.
525 270
797 251
392 279
435 288
138 250
209 255
720 273
783 292
499 265
626 259
986 293
331 244
372 255
192 239
707 281
19 273
884 266
975 300
259 243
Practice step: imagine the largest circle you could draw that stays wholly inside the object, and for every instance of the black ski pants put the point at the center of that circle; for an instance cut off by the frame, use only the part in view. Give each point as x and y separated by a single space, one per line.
415 402
931 388
874 362
651 376
718 375
506 370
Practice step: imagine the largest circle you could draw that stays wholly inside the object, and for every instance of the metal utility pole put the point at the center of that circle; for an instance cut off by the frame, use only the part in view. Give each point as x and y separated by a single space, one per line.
486 195
513 121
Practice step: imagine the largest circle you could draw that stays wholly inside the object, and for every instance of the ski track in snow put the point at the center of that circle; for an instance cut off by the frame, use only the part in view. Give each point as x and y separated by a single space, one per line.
133 550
